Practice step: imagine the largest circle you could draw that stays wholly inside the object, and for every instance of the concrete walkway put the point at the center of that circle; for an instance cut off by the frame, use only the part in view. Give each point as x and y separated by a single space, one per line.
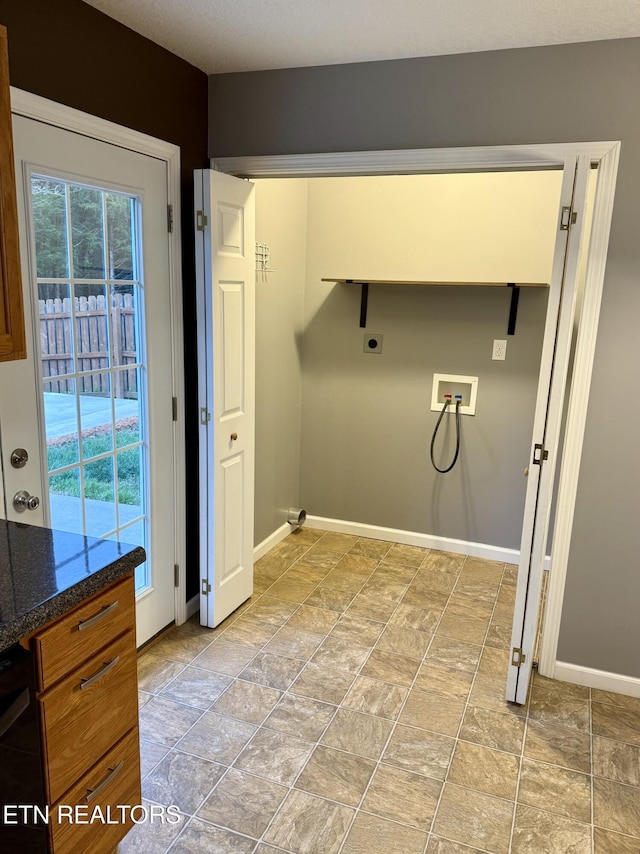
66 515
60 412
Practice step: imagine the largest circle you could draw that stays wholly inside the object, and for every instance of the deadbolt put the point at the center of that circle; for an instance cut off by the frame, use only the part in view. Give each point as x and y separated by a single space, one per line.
23 501
19 458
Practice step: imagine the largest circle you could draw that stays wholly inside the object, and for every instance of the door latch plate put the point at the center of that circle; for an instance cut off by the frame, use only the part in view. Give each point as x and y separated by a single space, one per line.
540 454
517 657
568 217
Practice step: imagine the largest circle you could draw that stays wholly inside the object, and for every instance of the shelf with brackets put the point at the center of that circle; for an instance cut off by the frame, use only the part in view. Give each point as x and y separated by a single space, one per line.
513 308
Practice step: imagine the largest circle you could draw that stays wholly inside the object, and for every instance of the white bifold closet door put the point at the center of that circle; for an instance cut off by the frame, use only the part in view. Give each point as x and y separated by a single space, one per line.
225 266
546 429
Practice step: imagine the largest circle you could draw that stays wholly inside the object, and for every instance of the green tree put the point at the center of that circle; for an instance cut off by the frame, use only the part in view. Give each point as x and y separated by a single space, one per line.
48 203
49 206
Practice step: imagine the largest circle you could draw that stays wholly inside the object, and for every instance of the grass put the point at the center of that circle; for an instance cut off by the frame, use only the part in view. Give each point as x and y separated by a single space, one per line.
98 475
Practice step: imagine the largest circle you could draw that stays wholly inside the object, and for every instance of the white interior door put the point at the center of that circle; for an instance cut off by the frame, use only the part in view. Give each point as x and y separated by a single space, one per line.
91 405
547 422
225 259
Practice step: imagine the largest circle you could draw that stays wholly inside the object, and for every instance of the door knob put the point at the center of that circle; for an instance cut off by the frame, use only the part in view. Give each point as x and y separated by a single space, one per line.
234 436
23 501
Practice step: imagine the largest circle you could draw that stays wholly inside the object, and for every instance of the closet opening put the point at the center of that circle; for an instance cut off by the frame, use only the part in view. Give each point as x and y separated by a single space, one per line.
339 433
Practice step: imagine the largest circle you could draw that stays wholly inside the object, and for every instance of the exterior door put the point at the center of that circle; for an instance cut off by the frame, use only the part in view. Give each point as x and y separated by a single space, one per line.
225 259
91 405
546 430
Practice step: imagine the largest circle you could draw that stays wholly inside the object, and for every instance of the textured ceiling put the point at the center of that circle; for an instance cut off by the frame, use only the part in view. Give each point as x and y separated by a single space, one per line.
248 35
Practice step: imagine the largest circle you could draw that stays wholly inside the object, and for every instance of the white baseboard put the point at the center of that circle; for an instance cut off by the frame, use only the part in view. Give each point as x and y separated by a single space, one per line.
272 540
413 538
193 605
602 679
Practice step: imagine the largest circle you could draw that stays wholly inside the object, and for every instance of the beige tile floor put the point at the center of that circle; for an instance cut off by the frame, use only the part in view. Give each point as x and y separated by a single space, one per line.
355 706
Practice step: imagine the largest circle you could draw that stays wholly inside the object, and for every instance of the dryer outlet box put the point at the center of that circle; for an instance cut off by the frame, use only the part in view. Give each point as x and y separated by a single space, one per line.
372 343
454 384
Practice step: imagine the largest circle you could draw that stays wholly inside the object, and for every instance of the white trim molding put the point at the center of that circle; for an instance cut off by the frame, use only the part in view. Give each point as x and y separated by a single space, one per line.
395 535
43 110
408 161
415 538
601 679
272 540
577 409
59 115
192 607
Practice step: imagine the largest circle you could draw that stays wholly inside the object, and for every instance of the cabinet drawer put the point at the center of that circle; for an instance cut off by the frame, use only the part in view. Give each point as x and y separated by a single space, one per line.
74 638
86 713
114 781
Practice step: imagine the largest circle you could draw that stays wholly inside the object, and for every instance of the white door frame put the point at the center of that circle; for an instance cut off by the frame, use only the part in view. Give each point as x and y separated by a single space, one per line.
421 161
42 109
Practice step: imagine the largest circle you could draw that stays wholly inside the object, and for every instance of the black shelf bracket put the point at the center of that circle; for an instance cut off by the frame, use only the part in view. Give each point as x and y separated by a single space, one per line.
513 308
364 299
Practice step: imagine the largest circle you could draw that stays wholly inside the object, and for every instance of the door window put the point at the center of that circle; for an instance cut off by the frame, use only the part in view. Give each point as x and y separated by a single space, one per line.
92 365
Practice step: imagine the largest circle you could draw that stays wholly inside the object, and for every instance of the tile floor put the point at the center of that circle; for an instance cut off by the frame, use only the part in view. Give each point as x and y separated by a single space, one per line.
355 706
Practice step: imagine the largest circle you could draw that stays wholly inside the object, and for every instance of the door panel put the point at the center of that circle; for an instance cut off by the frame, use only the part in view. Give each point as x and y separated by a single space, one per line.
230 230
225 257
92 403
547 423
233 345
232 471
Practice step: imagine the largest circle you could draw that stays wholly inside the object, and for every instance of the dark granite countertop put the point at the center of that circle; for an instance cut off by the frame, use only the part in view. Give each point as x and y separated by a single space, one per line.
44 573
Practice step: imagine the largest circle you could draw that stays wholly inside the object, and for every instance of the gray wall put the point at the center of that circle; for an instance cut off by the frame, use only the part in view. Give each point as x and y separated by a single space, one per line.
367 423
549 94
281 222
367 419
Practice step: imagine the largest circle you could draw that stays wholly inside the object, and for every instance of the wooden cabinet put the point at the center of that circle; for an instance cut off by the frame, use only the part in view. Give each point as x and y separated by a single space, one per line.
87 712
112 782
80 633
88 702
12 335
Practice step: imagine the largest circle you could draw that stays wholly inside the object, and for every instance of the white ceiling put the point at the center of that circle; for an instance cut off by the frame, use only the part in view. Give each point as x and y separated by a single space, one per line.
248 35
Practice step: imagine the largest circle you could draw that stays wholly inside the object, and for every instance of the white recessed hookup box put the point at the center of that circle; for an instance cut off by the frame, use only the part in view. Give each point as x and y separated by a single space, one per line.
454 384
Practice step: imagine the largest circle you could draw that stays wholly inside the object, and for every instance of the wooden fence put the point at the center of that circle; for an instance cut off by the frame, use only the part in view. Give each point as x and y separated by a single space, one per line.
91 344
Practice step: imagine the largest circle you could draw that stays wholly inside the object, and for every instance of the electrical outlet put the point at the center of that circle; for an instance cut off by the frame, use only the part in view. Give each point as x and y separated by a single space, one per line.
499 353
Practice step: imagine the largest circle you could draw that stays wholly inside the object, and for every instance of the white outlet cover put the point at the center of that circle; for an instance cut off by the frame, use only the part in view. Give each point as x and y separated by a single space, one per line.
499 352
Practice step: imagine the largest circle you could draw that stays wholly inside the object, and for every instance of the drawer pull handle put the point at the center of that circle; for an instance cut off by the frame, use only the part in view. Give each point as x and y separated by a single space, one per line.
92 794
84 683
90 621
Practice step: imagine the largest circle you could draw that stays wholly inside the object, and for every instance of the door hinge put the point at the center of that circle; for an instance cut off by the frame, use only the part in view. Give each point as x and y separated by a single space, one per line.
174 408
176 575
568 217
540 454
201 220
206 587
205 416
169 218
517 657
